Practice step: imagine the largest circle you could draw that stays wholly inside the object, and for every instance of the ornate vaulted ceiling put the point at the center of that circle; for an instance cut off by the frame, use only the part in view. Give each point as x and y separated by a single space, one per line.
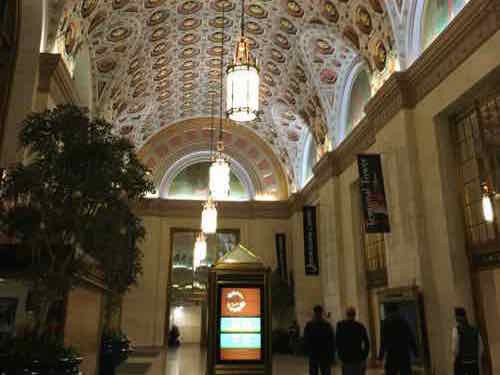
156 62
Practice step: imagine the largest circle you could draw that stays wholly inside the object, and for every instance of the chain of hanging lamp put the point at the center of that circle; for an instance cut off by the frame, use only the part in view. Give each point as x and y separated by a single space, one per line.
209 213
219 173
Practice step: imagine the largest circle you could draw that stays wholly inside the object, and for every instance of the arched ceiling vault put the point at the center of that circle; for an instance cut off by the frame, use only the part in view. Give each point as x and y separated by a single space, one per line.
188 141
156 62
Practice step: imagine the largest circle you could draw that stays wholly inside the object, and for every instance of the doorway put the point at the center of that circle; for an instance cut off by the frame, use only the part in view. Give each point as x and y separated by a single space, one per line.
187 288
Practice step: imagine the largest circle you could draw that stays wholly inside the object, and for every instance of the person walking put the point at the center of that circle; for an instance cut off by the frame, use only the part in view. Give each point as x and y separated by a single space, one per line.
467 345
319 340
293 337
352 344
397 341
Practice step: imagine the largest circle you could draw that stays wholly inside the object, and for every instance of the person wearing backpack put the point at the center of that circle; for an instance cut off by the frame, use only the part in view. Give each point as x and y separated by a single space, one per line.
467 345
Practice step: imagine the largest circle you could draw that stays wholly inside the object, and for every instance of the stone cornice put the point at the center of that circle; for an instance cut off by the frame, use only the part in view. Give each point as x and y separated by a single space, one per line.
55 79
475 24
232 210
394 95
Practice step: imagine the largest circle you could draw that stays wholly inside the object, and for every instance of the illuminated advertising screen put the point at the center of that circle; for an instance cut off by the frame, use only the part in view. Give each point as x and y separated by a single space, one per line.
240 324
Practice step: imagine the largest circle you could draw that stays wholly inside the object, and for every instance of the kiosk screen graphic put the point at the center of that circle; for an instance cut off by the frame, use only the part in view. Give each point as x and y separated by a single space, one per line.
240 334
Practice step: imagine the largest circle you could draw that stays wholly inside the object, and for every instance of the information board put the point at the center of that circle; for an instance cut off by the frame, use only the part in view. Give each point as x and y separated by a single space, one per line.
240 324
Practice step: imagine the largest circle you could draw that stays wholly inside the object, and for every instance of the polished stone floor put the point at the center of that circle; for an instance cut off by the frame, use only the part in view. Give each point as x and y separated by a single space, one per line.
191 359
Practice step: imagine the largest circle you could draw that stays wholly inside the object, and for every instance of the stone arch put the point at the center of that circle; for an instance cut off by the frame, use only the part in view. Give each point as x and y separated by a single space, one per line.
254 159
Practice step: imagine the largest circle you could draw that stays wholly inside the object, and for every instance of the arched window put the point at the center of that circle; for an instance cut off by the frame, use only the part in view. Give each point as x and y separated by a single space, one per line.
359 96
192 183
437 15
309 160
82 76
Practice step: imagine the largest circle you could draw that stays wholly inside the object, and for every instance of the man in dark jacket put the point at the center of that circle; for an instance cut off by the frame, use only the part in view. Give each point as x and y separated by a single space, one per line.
319 343
466 345
353 345
397 341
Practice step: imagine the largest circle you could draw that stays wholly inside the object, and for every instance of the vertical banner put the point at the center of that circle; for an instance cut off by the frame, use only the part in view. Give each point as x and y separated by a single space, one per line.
281 255
371 185
310 241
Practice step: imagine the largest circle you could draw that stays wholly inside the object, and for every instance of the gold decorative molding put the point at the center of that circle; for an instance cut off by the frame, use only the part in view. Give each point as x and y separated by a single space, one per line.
231 210
54 78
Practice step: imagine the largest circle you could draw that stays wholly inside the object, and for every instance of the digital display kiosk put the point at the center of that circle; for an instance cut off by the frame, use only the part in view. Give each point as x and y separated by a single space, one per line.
239 334
240 324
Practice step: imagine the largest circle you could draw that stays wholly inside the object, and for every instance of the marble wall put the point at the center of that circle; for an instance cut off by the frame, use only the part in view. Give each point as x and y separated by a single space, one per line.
426 246
145 306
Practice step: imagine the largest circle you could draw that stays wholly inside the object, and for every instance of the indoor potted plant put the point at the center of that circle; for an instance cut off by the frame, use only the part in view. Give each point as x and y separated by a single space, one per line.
115 349
67 208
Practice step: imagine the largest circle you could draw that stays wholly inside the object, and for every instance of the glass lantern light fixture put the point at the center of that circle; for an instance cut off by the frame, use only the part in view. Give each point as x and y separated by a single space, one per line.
200 250
242 90
488 213
219 175
209 217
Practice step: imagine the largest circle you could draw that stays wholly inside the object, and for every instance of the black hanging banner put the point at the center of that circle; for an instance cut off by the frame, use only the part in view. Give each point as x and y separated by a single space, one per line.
310 241
281 255
371 185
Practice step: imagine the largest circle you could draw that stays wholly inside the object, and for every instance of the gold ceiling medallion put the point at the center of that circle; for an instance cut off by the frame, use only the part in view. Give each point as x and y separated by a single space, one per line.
295 9
380 56
330 12
88 6
363 20
157 17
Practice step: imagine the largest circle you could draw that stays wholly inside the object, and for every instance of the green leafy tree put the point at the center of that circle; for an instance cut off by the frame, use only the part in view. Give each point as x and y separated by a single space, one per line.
68 207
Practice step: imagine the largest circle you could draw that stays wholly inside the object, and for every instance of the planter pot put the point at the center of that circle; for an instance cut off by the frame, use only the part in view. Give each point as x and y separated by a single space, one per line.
113 353
66 366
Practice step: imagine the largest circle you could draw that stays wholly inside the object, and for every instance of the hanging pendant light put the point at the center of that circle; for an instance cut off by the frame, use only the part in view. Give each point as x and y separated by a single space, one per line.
488 213
242 91
200 251
220 176
209 217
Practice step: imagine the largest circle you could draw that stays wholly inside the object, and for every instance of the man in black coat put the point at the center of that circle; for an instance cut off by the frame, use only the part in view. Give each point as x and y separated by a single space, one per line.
397 341
353 345
467 345
319 341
